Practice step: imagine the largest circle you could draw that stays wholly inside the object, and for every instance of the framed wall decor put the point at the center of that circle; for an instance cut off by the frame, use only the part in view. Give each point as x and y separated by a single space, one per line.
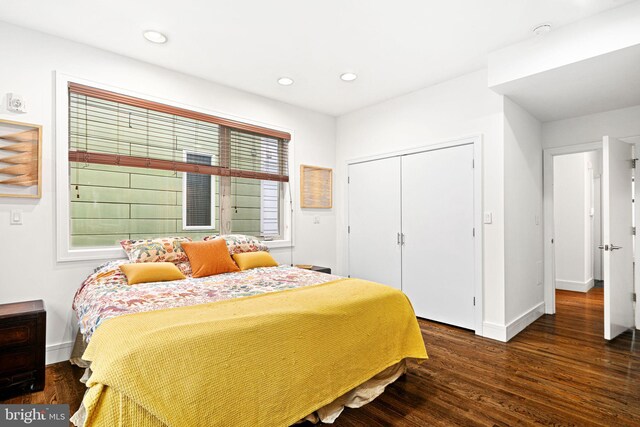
20 159
316 187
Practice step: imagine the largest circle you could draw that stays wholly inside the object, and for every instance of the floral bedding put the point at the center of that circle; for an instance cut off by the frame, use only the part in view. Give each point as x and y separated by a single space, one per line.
106 294
240 243
164 249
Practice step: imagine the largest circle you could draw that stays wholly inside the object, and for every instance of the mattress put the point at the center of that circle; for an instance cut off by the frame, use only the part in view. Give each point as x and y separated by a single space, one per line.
105 293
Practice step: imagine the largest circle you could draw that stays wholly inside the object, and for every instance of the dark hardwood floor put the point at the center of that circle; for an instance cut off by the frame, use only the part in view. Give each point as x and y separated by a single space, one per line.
560 371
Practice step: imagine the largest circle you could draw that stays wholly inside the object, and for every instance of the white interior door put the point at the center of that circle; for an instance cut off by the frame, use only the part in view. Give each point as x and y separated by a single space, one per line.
437 222
374 221
617 237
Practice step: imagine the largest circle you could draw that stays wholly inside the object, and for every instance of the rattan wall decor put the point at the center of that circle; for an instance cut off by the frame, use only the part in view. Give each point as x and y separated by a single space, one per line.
316 190
20 159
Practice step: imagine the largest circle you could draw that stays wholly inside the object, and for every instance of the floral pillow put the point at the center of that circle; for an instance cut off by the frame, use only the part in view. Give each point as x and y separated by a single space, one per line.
240 243
164 249
185 268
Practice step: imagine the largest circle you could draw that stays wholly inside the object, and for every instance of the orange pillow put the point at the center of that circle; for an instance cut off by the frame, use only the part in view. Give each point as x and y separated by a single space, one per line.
209 257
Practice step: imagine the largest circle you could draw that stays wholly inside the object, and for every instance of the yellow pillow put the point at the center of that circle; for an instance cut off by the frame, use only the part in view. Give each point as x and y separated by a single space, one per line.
248 260
151 272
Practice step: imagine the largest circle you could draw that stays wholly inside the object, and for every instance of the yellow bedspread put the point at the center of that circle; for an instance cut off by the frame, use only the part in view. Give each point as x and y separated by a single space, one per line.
266 360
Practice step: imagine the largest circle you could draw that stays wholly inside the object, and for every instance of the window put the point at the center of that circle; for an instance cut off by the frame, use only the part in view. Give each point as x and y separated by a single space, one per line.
199 196
140 169
256 204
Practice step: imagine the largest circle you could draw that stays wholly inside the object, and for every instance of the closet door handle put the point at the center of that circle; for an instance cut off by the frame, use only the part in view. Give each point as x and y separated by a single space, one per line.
402 239
399 239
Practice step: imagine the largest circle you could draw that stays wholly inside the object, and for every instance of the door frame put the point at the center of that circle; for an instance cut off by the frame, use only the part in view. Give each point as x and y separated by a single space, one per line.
478 197
548 223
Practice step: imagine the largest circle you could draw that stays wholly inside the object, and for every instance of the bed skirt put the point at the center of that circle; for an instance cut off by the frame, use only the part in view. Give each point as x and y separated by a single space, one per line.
355 398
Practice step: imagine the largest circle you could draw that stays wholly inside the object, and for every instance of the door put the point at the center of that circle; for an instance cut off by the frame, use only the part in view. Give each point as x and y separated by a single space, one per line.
374 221
617 237
437 222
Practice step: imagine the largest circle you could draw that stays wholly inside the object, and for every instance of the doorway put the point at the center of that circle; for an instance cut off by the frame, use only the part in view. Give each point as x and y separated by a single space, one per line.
562 263
577 221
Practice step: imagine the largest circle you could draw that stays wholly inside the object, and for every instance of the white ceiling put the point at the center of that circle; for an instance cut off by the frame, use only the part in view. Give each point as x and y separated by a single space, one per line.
603 83
394 47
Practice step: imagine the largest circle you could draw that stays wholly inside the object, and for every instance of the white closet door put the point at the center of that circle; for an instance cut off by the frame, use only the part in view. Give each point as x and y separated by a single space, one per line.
374 221
437 221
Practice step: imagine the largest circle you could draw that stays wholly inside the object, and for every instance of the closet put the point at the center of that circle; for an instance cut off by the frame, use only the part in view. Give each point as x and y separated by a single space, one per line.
375 221
411 226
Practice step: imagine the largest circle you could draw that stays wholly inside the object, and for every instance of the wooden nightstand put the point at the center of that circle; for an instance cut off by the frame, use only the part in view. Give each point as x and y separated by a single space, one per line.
314 268
22 347
321 269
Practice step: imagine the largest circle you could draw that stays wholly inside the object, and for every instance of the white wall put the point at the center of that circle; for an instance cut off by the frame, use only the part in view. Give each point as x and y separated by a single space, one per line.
460 107
597 228
572 221
29 266
523 217
597 35
620 123
593 168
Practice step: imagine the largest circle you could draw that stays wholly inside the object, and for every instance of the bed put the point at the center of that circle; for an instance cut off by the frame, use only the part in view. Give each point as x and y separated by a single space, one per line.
266 346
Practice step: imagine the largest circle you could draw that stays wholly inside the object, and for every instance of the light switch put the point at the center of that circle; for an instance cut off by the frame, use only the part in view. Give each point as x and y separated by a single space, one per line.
16 217
488 218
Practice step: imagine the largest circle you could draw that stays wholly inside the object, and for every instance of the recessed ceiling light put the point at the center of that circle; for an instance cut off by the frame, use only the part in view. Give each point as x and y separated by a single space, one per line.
542 29
348 77
155 36
285 81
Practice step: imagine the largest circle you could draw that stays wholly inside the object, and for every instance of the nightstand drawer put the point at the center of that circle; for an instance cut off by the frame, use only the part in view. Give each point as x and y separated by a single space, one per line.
23 377
21 383
18 334
18 360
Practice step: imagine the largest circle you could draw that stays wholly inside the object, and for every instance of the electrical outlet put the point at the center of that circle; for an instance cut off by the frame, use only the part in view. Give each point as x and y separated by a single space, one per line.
316 220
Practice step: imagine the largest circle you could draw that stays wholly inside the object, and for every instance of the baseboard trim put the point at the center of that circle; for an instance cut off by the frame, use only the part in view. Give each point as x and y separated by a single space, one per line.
570 285
494 331
525 319
58 352
505 332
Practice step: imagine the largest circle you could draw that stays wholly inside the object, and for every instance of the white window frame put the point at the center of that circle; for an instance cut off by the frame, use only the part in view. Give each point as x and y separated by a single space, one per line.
64 251
214 184
273 168
280 209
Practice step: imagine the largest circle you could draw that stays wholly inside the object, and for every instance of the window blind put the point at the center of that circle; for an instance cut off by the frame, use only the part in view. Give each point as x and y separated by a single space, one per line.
113 129
199 195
